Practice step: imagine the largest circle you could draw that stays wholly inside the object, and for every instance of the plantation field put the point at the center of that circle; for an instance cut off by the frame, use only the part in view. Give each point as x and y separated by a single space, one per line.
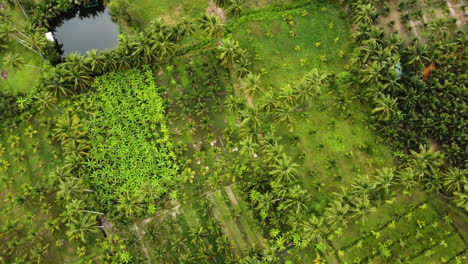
27 157
333 142
285 45
422 19
419 228
168 10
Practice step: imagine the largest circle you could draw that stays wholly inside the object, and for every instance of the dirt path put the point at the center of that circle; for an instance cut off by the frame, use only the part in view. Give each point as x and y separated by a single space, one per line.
137 230
231 195
457 13
213 10
414 25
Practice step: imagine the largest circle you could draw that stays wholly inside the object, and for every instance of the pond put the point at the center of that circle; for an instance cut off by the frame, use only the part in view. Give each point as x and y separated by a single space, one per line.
84 29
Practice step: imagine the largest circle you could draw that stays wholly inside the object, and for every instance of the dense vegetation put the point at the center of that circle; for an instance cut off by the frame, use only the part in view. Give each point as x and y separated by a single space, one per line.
287 132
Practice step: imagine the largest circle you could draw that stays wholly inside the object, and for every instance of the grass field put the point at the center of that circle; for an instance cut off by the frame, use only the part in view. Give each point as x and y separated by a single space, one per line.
169 10
287 44
333 143
19 80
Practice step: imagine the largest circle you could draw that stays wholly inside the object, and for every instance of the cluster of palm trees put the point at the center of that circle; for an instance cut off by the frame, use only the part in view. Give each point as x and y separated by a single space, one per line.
414 107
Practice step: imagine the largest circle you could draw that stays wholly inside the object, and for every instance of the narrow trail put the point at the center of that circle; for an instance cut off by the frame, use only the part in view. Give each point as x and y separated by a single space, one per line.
231 195
459 17
145 250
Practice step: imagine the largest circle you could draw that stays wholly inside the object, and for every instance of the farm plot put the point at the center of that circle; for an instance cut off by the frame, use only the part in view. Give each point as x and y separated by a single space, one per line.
418 230
421 20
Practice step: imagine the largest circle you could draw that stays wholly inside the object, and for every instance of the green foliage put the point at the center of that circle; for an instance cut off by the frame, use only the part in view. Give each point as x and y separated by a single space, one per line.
131 144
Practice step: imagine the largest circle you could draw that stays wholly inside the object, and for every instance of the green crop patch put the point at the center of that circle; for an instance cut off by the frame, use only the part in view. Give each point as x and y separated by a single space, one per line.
131 142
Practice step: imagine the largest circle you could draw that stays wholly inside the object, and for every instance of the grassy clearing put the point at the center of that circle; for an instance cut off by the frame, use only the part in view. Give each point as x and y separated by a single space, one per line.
19 80
170 11
286 51
333 148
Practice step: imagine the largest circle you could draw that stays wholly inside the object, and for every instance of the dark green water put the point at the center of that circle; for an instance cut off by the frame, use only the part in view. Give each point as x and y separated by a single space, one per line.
85 29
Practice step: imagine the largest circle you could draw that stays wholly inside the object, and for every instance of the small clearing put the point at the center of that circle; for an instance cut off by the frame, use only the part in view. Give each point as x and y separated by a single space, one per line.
213 10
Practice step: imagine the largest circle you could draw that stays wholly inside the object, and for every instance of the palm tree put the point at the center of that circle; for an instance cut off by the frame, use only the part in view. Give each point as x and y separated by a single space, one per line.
417 55
336 214
68 128
248 147
454 179
234 103
242 65
438 28
251 117
251 84
407 178
221 3
80 226
362 185
234 9
384 180
461 198
284 169
71 187
95 61
143 49
229 51
165 48
197 234
316 80
267 103
55 83
426 159
130 204
362 207
385 107
313 229
287 96
285 113
186 28
364 14
80 78
14 60
212 26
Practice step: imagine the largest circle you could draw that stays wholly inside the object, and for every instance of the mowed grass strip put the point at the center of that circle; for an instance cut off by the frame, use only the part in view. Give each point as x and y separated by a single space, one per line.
246 221
229 227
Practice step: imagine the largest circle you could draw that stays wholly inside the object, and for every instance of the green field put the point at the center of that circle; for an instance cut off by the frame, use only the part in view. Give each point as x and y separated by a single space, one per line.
285 45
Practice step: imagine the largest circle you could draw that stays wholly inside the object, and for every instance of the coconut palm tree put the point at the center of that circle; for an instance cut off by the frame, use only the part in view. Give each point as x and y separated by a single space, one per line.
313 229
268 102
221 3
384 180
130 204
212 26
251 84
14 60
336 214
80 226
284 169
71 187
165 48
287 96
234 104
385 107
454 179
229 51
251 117
285 113
364 13
407 178
95 61
425 159
362 207
362 185
234 8
461 198
316 80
